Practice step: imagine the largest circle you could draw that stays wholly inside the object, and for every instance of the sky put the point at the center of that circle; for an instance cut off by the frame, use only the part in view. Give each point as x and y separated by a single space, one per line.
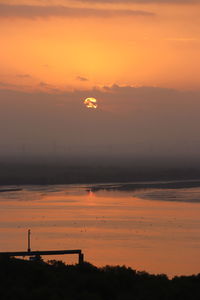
138 58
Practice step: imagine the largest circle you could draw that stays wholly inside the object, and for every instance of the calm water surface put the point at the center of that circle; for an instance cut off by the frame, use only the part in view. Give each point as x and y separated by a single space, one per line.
153 230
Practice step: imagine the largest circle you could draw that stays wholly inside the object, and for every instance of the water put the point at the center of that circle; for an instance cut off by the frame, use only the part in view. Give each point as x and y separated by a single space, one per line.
155 230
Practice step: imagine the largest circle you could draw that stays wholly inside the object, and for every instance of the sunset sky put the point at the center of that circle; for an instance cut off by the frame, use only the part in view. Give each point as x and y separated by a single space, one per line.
139 58
81 44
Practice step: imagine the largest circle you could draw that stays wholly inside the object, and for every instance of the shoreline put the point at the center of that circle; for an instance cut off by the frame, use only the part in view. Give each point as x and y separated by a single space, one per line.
146 185
112 186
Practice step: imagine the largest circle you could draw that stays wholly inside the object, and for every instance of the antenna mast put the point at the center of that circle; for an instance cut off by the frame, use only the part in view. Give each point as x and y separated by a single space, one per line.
29 240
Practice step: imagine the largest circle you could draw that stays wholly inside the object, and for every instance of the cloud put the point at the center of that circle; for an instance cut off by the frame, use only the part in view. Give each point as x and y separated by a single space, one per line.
45 86
182 40
80 78
35 11
7 85
23 76
142 1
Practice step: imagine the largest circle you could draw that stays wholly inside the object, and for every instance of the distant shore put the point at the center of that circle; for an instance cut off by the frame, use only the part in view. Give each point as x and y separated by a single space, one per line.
125 186
17 173
147 185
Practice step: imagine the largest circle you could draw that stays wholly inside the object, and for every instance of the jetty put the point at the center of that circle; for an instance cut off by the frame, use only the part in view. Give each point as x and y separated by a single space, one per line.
36 255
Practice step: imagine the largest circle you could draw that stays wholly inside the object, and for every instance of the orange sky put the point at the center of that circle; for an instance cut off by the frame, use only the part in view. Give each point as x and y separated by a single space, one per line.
47 45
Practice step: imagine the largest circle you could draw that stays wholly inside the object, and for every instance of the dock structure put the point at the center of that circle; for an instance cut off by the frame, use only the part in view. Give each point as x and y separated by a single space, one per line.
42 253
35 255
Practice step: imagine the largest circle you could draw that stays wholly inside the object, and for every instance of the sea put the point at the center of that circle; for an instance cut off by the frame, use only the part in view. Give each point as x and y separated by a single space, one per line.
156 230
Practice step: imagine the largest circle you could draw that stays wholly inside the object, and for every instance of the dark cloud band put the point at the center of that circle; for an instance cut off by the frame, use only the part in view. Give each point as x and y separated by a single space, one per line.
32 11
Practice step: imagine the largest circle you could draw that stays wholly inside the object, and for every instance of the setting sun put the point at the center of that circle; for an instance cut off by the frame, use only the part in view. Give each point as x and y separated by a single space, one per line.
90 103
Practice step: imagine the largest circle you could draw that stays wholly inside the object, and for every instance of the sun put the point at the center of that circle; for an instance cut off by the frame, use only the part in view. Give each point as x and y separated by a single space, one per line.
90 103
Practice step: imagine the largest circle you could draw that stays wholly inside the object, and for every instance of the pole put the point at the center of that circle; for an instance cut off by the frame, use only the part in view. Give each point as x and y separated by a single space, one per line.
29 240
80 258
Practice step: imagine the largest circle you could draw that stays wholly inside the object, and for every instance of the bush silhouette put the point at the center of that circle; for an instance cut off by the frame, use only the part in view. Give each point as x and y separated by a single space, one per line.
22 280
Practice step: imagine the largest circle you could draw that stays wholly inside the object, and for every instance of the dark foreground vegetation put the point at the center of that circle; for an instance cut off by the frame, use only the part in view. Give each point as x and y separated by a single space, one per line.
20 279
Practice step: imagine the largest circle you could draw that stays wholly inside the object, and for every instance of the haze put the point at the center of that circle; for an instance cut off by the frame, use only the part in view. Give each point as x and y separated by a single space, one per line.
139 59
